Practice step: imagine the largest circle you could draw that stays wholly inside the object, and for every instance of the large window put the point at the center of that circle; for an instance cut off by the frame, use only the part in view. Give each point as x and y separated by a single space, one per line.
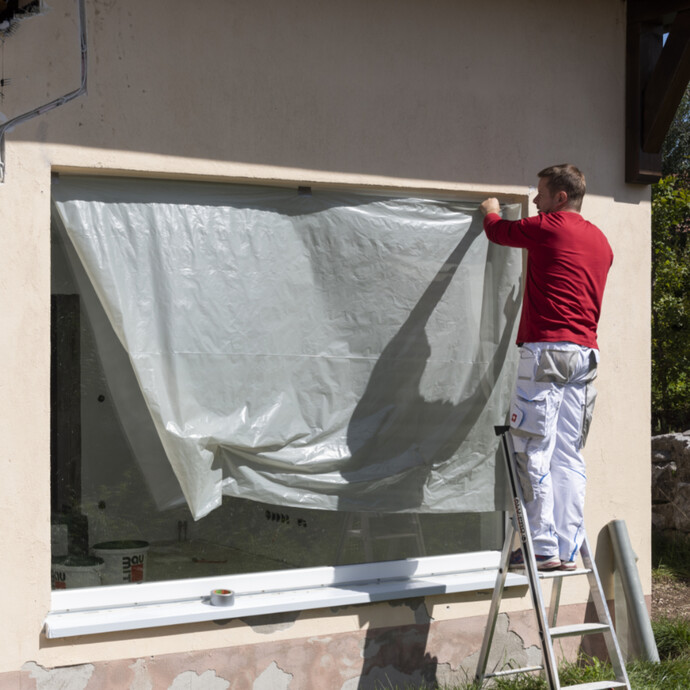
250 379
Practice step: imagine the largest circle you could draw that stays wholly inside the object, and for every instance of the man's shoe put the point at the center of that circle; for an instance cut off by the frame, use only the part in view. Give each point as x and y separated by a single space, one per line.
543 562
568 565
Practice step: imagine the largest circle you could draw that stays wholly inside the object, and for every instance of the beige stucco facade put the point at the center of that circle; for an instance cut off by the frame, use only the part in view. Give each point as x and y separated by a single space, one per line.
452 97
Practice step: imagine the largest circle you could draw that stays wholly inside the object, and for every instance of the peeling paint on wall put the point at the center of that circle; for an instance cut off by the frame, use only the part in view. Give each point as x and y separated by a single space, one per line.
66 678
141 680
509 650
273 678
436 654
208 680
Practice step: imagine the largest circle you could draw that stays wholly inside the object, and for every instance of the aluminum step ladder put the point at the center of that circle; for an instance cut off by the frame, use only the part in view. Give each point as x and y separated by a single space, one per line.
548 630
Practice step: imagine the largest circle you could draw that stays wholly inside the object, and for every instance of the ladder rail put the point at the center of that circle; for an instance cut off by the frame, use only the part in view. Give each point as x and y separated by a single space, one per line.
547 628
528 555
602 609
495 603
556 590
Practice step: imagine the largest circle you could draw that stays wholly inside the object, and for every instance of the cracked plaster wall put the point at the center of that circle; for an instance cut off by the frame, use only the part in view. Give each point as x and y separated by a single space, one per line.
409 656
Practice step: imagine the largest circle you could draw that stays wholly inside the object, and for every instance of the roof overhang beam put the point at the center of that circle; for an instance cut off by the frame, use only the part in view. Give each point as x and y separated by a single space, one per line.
657 74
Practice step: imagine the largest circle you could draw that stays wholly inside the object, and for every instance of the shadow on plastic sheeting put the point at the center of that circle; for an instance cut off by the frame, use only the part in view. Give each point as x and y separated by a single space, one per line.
392 421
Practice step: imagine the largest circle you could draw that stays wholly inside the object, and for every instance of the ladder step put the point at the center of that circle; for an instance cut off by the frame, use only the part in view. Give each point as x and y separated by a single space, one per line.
596 685
550 574
512 671
580 629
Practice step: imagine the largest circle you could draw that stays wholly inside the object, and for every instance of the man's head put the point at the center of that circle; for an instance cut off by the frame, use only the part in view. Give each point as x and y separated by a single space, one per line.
561 188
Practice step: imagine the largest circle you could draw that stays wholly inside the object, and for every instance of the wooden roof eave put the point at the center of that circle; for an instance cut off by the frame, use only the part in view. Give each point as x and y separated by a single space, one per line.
657 74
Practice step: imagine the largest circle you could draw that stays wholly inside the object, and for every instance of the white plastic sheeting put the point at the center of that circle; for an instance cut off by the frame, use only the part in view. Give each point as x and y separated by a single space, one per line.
326 350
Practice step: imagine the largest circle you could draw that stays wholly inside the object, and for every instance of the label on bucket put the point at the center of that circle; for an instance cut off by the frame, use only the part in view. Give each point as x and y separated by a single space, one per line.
133 568
125 561
59 579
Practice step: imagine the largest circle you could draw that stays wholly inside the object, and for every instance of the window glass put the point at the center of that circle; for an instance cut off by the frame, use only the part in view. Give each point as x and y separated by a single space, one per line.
118 511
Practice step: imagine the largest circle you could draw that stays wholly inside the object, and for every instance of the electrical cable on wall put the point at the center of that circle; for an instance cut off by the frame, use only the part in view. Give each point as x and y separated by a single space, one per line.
40 110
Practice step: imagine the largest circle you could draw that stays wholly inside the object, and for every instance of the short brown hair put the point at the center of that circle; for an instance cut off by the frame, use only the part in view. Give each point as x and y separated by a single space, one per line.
566 178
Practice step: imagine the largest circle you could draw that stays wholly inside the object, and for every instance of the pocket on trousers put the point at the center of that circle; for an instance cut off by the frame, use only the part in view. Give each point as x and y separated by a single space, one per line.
529 413
556 366
587 411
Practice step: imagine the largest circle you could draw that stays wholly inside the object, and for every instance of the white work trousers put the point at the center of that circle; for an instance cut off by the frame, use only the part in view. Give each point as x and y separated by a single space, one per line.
550 415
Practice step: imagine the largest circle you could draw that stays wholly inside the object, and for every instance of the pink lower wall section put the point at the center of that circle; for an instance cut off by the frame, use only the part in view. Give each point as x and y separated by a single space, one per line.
426 654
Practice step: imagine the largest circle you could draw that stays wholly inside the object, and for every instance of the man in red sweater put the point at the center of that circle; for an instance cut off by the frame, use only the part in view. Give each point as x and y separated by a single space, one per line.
568 260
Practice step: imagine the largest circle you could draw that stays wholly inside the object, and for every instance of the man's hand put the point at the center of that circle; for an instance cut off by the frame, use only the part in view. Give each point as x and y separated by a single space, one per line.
490 205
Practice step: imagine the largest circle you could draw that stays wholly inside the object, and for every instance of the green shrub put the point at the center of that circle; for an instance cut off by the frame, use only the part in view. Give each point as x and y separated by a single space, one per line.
672 637
670 674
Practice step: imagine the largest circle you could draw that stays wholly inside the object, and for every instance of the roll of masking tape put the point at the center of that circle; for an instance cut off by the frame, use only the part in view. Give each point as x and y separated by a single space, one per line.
222 597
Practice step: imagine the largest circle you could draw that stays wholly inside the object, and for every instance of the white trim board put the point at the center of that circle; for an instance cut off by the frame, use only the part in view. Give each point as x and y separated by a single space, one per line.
129 607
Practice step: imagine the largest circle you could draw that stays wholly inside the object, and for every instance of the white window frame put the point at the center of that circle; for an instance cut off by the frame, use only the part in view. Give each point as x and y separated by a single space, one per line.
96 610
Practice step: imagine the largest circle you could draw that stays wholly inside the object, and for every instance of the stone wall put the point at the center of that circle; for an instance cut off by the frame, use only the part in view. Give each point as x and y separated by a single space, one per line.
671 482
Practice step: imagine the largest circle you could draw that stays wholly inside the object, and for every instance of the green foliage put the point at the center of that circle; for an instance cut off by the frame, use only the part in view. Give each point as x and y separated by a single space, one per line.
672 673
586 670
675 152
672 637
671 303
527 681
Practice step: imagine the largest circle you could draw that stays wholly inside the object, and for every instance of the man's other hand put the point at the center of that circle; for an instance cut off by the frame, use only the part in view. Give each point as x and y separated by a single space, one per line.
490 205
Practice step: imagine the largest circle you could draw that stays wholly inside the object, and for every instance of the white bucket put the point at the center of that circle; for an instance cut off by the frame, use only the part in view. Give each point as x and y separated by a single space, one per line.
69 572
125 561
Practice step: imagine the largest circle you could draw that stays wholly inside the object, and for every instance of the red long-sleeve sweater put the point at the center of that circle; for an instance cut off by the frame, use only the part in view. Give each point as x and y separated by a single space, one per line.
568 259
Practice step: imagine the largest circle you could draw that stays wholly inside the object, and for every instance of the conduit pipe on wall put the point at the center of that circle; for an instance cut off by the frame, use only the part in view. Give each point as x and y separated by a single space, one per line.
640 625
20 119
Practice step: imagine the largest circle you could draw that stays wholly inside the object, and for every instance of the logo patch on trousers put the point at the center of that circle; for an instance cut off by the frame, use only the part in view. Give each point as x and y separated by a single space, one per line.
516 416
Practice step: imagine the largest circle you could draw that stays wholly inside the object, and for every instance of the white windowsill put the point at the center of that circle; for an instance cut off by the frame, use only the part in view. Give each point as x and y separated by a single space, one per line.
129 607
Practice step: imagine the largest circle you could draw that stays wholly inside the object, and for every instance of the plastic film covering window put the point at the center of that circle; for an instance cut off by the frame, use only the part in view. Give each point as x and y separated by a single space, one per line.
329 349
